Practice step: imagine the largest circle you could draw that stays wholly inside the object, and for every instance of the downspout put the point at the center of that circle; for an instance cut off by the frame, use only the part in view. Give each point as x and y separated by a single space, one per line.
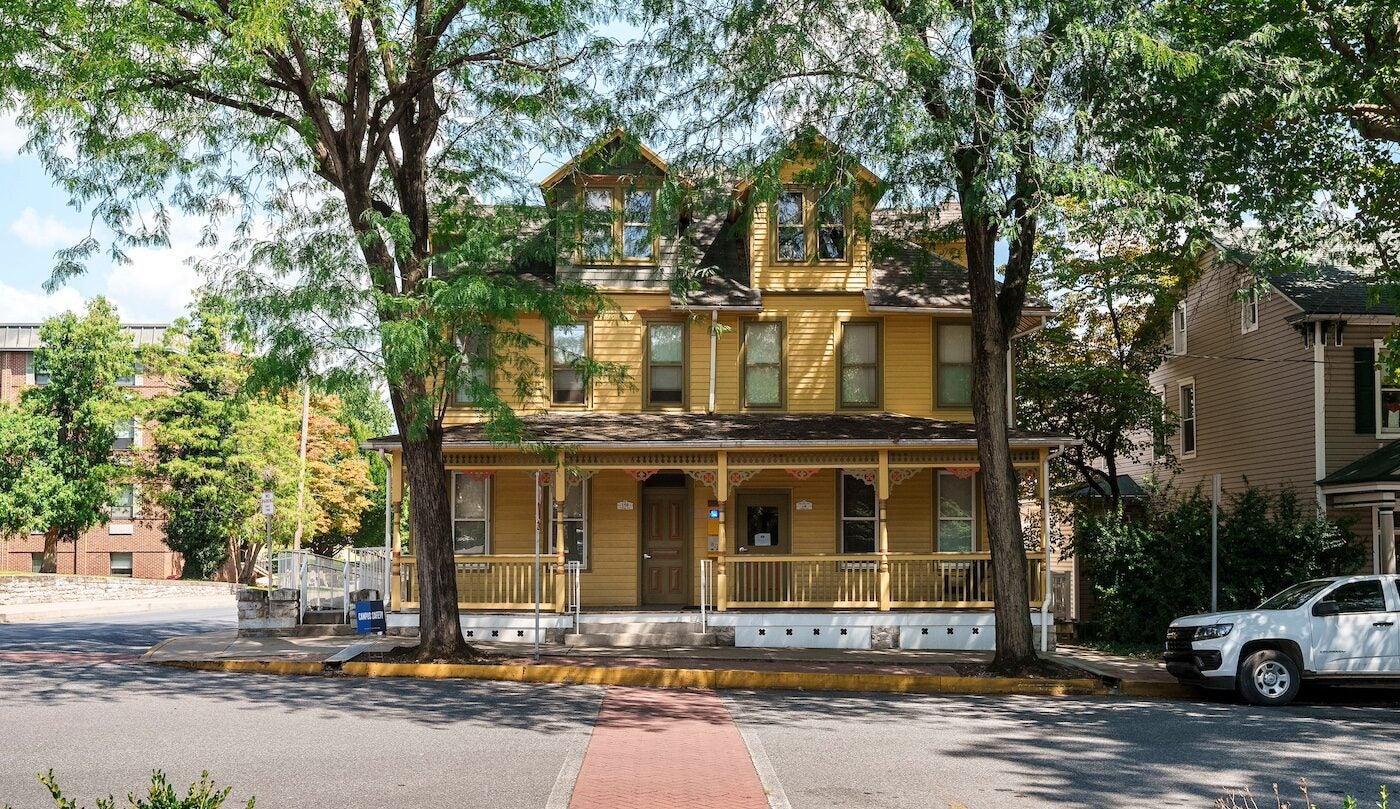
1319 414
714 349
1045 534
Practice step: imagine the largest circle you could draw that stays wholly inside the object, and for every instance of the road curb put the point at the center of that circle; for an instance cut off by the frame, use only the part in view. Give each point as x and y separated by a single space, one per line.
715 679
1151 688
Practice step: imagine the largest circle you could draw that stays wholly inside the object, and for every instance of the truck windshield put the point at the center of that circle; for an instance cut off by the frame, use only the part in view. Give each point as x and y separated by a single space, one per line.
1295 596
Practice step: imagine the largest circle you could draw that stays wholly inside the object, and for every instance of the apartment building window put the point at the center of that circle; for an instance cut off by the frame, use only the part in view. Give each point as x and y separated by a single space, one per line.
763 364
792 226
575 520
36 562
568 351
125 434
957 512
123 505
859 518
132 379
1249 312
119 564
617 224
1186 413
471 513
1179 329
665 384
34 372
831 228
860 364
954 365
475 370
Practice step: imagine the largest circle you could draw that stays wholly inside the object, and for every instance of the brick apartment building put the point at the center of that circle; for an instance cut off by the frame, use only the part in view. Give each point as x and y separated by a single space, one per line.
131 543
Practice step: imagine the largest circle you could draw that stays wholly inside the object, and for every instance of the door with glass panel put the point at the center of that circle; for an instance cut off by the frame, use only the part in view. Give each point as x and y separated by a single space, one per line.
955 512
763 529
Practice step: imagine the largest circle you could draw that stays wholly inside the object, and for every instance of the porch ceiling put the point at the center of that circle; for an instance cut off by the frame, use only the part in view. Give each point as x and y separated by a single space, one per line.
587 430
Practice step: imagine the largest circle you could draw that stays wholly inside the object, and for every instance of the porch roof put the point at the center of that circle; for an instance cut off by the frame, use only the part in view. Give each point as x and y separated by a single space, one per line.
726 430
1381 466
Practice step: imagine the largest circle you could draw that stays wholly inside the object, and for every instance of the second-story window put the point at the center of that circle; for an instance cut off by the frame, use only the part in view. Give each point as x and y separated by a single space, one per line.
124 434
568 349
1187 415
475 371
860 364
763 364
132 379
596 238
636 225
831 228
665 364
1179 329
954 365
34 373
123 505
617 225
1249 311
792 226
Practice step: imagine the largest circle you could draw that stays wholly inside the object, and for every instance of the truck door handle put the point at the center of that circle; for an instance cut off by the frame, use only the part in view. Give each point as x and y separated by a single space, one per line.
1384 623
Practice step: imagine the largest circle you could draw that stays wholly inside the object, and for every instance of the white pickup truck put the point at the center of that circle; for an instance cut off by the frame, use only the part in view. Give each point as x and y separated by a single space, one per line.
1327 630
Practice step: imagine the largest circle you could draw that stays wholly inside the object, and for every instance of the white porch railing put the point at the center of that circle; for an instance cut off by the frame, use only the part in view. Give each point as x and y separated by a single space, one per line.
707 572
326 584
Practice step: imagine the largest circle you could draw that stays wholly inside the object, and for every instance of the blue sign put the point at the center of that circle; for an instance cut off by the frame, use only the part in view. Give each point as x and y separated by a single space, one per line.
369 617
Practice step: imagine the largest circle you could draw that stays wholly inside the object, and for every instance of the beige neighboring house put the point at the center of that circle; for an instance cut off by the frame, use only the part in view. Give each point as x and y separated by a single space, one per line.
1281 385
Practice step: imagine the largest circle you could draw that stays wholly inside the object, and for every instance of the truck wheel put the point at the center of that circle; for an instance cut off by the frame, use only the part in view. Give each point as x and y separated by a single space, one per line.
1269 677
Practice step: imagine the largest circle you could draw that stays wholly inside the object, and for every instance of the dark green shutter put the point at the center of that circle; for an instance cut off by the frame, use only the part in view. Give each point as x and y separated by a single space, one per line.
1364 388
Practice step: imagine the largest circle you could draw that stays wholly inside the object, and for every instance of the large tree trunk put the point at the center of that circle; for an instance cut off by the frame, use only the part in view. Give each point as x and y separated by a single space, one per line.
991 337
50 563
439 621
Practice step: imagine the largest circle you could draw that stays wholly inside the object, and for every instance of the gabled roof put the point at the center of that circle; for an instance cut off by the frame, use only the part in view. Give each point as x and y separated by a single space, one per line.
597 146
821 142
1325 289
1381 466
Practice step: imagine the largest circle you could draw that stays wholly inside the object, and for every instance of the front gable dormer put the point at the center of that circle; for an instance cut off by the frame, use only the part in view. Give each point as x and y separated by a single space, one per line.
808 214
617 228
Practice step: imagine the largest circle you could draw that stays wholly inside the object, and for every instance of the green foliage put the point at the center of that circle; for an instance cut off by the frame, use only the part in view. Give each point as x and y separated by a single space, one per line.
58 443
1148 571
201 795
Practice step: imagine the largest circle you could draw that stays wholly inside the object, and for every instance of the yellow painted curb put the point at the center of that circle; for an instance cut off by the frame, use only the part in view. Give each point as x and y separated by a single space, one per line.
732 679
248 666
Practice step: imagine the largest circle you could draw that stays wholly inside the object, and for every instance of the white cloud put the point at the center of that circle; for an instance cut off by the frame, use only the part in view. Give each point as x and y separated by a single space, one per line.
22 306
12 137
43 232
158 283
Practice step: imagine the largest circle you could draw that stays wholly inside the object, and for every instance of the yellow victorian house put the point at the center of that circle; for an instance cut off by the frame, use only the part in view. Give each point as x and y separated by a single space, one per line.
795 464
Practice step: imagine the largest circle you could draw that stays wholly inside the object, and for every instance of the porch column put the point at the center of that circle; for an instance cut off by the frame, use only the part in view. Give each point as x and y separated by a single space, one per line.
393 506
561 583
1385 561
722 495
882 497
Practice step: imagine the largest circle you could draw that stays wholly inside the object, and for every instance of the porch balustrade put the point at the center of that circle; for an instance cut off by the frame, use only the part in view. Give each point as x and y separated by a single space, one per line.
496 582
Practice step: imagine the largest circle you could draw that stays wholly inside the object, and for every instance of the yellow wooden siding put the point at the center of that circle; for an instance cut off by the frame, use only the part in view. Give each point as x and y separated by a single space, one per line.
614 552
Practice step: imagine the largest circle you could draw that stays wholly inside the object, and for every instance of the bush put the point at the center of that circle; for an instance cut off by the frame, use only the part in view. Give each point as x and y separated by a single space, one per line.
201 795
1148 569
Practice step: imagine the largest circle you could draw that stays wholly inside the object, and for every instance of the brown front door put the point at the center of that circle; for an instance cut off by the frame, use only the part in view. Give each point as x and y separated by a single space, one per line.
665 547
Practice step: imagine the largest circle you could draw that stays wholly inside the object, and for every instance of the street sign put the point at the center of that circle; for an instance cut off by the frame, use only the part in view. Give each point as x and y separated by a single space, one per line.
267 504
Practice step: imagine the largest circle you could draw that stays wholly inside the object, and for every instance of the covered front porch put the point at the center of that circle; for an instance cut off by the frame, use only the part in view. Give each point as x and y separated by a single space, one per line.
735 514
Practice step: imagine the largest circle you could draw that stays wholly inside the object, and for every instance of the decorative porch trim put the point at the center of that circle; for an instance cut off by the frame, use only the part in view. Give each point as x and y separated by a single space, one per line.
803 474
705 477
898 476
479 474
801 460
738 477
866 476
963 472
642 475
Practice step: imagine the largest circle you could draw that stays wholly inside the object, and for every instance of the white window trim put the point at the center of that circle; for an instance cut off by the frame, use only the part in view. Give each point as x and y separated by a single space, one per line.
1189 382
873 520
938 517
486 513
586 520
1249 300
131 559
1179 344
1378 347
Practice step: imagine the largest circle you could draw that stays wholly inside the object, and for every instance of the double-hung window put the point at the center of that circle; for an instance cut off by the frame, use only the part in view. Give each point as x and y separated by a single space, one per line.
1179 329
1186 414
471 513
637 235
132 379
119 564
956 513
34 372
665 364
617 224
1249 311
831 228
568 350
574 518
792 226
859 517
763 363
954 365
596 240
124 434
474 376
860 364
123 505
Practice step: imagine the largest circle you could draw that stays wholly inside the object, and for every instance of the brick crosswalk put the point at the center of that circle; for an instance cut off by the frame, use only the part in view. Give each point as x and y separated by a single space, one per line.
666 749
55 657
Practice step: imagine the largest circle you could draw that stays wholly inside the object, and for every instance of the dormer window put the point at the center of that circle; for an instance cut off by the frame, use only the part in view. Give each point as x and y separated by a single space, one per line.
617 225
810 225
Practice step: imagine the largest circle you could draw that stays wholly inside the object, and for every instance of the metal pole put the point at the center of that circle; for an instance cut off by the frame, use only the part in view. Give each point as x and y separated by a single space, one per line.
538 593
1214 541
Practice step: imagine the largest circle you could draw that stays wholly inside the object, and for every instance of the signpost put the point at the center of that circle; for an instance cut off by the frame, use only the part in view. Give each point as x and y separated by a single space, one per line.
268 507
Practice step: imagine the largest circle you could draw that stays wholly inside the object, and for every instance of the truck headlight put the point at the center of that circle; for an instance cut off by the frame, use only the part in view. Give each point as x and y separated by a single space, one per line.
1213 631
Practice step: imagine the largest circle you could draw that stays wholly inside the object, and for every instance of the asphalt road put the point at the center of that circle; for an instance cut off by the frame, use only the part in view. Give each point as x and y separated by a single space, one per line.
311 742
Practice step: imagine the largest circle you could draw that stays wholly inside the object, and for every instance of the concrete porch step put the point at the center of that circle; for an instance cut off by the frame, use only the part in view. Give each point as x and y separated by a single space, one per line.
642 639
636 627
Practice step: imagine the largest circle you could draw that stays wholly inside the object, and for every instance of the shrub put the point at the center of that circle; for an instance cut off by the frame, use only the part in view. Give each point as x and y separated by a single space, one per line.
161 795
1148 569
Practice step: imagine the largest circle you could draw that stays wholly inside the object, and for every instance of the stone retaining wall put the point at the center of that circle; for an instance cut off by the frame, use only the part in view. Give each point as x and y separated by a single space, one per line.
49 588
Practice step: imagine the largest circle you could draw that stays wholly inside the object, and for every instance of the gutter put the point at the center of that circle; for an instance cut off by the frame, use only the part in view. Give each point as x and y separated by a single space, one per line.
1029 443
714 349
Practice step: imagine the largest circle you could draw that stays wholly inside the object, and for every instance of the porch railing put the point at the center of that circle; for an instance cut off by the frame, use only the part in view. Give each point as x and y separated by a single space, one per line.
496 582
853 581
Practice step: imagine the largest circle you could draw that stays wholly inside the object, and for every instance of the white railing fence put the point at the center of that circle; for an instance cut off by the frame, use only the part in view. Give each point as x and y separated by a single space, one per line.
574 570
706 571
327 584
